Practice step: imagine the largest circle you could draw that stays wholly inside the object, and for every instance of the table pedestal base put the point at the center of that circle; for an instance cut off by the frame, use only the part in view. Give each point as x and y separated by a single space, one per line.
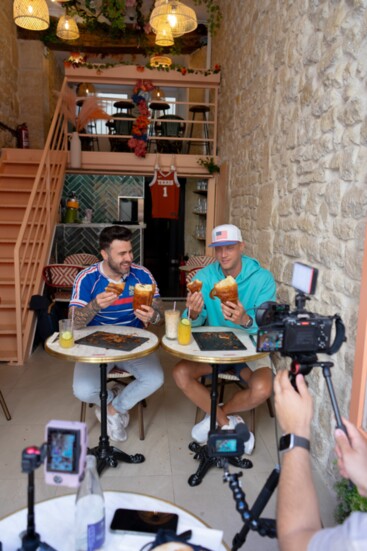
206 462
109 456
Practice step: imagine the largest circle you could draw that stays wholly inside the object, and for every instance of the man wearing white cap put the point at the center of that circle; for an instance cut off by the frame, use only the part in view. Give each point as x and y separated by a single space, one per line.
255 286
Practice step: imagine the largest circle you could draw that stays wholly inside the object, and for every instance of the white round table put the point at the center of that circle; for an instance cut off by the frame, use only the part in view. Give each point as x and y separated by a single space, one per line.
55 523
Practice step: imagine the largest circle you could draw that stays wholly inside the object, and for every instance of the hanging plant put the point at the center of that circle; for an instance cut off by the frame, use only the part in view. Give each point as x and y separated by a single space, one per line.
214 15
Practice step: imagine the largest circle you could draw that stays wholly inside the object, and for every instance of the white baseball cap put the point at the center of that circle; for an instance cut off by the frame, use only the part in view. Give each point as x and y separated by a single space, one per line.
227 234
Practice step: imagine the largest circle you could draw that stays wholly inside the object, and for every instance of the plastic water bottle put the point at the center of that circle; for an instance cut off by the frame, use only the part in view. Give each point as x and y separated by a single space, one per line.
90 512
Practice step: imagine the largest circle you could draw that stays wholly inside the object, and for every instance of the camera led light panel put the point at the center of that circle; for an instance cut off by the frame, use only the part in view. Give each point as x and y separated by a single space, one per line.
304 278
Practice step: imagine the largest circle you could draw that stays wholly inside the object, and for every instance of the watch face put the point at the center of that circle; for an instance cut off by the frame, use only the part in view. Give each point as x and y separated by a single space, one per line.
285 442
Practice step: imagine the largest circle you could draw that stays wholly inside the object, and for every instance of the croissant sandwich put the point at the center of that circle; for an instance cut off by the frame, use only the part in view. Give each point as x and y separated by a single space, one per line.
226 290
116 288
194 285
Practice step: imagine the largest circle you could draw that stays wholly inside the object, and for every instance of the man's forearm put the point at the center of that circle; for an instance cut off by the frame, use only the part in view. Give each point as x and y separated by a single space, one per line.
298 515
82 316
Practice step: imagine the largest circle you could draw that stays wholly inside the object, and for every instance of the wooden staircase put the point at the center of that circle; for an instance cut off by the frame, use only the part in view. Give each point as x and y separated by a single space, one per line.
29 199
16 183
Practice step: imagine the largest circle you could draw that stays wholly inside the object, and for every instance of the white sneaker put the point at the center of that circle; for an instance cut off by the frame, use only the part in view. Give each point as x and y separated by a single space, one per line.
235 420
200 430
125 417
115 427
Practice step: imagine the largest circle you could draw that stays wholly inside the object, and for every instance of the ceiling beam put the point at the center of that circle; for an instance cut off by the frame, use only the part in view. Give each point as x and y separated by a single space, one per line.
101 41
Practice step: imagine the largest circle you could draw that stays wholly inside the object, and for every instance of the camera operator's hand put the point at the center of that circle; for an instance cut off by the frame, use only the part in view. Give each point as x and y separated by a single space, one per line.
294 409
195 303
352 455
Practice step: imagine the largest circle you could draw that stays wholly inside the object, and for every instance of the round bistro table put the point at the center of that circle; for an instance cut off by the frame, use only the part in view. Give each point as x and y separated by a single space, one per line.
106 455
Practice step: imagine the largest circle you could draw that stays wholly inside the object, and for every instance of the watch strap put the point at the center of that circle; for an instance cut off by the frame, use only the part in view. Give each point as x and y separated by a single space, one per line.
290 441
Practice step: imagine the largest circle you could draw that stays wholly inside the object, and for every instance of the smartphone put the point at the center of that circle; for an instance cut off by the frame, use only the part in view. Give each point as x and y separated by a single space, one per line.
134 521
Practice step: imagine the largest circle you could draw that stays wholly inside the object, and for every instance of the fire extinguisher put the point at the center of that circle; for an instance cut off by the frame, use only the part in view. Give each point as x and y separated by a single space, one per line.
22 136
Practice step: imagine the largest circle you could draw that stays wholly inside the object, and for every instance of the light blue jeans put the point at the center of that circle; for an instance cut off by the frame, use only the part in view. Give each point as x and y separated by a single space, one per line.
148 375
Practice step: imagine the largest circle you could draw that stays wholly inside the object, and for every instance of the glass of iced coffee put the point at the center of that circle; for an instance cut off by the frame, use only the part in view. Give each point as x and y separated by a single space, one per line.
172 318
143 295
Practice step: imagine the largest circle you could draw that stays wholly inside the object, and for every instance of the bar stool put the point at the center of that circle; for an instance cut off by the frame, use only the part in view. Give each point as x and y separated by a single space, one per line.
158 108
124 105
197 109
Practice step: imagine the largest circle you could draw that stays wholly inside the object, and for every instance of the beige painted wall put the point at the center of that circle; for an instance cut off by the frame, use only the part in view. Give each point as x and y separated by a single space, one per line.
293 130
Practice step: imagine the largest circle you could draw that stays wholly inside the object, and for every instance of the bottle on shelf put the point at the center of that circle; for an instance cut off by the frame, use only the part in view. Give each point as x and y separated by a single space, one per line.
90 511
72 207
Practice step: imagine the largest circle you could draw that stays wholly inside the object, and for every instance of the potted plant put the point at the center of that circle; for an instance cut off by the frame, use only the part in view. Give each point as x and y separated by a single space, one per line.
348 499
209 164
90 109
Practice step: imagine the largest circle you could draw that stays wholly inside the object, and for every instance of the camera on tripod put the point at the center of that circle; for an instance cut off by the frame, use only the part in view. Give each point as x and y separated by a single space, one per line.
298 333
228 443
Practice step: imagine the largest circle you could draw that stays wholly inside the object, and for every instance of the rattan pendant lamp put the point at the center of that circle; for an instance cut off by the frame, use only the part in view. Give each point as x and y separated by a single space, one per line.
67 29
180 18
31 14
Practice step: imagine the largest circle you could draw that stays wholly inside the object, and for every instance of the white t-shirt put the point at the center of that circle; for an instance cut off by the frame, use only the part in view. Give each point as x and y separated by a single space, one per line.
349 536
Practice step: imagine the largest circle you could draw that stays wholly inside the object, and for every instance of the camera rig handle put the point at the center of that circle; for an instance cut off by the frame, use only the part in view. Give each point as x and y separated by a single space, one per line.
251 517
304 366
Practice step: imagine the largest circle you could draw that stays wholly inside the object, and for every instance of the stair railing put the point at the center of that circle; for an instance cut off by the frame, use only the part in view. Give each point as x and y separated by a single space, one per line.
35 237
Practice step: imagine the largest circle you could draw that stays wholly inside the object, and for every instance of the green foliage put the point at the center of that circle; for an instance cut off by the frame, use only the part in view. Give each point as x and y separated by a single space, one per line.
209 164
348 499
214 14
114 10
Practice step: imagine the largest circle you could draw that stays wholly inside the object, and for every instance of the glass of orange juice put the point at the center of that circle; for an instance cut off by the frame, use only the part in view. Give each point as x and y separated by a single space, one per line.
66 333
184 331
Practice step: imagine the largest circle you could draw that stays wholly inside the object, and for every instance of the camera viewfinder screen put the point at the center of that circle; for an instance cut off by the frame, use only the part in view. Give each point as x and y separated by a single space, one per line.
226 445
269 340
61 454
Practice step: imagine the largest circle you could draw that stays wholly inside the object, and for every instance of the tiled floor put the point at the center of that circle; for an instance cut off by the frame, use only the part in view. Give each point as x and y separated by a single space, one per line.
41 390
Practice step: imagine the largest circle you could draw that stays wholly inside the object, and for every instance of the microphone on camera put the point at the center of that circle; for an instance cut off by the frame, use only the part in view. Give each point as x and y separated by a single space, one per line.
242 431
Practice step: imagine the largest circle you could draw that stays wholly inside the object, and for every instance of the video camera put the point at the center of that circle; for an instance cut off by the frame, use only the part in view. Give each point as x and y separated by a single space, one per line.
299 333
228 443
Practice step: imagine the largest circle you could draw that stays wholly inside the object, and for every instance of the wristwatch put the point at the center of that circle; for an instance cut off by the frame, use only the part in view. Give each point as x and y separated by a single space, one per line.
155 318
289 441
249 323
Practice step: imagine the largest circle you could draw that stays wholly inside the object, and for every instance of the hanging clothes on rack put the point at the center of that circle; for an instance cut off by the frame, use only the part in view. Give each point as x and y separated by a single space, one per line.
165 190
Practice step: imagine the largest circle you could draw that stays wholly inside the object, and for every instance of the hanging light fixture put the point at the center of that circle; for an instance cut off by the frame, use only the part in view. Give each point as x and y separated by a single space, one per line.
157 94
31 14
180 18
164 36
67 29
85 89
160 61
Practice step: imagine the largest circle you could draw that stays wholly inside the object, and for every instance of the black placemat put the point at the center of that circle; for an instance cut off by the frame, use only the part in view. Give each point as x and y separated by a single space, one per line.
114 341
221 340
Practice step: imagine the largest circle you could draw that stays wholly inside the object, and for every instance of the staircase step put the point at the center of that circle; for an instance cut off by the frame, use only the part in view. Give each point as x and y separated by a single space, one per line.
11 213
11 199
15 181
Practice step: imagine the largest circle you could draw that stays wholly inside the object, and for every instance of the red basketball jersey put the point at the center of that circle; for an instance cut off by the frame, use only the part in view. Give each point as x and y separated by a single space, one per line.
165 190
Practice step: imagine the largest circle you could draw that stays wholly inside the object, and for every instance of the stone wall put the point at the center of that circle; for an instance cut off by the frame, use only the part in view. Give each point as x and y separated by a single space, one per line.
29 76
9 106
293 129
